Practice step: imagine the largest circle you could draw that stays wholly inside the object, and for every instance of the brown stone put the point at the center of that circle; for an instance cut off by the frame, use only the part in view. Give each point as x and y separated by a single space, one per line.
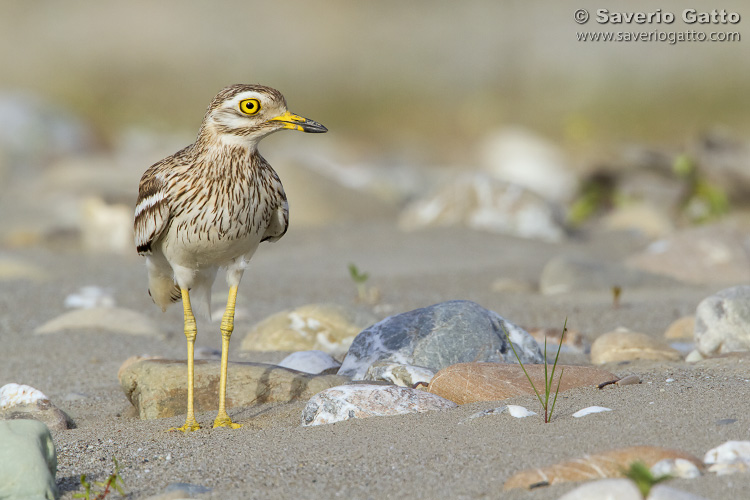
465 383
682 329
623 345
601 465
574 340
158 387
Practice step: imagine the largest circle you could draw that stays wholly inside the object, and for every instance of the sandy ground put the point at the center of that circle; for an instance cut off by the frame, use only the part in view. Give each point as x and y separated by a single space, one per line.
428 455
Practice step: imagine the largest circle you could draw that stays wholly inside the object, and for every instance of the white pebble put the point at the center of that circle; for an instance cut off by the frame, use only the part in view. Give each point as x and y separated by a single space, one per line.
669 380
675 467
19 394
589 410
729 452
519 411
88 297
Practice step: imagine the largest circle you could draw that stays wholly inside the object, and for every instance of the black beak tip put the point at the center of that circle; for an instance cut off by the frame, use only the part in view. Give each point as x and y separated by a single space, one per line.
314 127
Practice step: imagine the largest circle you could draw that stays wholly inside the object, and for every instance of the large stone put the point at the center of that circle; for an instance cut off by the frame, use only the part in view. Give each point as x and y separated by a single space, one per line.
487 204
610 463
624 345
471 382
438 336
681 329
714 254
158 387
326 327
28 461
722 322
363 400
107 319
564 274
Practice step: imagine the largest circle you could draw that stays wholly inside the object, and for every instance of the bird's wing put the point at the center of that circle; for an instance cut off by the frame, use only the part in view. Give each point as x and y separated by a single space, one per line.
151 210
279 221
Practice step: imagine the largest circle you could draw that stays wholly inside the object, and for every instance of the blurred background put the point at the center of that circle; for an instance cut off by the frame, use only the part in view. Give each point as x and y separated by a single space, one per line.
92 93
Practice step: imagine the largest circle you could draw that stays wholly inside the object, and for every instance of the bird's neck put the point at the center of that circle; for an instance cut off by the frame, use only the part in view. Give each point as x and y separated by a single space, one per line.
218 152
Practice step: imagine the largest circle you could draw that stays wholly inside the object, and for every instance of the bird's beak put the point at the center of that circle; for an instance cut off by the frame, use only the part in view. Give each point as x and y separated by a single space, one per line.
296 122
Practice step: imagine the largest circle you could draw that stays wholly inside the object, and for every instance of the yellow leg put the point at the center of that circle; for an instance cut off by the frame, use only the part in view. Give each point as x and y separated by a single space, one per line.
191 331
227 326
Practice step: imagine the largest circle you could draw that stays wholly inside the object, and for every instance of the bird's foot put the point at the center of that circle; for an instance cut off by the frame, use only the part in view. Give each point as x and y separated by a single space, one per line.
190 425
225 421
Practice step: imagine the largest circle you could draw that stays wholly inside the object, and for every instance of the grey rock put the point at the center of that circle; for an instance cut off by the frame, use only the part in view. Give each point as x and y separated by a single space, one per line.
722 322
28 461
438 336
364 400
563 274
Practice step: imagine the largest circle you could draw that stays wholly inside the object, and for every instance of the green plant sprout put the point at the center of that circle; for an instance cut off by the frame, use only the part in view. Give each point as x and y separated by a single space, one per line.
641 475
113 482
616 293
548 376
359 279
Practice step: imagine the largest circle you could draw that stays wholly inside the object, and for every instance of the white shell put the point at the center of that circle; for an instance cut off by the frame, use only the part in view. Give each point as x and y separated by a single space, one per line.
589 410
19 394
519 411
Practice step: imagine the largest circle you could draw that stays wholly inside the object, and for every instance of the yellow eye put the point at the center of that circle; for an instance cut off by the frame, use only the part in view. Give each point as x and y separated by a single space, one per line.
250 106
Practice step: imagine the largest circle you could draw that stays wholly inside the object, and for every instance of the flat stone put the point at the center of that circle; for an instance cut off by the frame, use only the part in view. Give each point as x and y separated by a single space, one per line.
106 319
313 361
722 322
471 382
363 400
608 464
570 273
28 461
681 329
438 336
329 328
158 387
625 345
399 374
712 254
481 202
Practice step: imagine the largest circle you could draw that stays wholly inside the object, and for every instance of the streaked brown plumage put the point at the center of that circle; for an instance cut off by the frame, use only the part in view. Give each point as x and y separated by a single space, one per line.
210 205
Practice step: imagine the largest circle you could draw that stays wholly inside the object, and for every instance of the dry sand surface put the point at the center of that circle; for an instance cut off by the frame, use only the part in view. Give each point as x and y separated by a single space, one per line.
429 455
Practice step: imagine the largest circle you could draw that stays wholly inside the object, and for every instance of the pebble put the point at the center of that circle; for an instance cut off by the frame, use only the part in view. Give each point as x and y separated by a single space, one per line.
721 322
519 411
606 464
157 388
438 336
609 489
478 201
399 374
106 319
106 227
642 217
729 458
465 383
521 157
313 361
709 254
624 345
89 297
590 410
329 328
364 400
18 401
681 329
675 467
28 460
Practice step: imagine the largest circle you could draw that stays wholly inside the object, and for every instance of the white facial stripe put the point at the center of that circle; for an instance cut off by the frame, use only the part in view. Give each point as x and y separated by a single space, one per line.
148 202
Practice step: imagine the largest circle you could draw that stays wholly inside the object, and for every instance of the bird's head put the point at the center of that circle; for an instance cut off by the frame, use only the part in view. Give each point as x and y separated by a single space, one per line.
244 114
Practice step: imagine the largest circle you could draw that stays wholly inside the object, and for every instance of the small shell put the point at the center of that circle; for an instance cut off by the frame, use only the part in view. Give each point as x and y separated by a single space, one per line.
19 394
589 410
